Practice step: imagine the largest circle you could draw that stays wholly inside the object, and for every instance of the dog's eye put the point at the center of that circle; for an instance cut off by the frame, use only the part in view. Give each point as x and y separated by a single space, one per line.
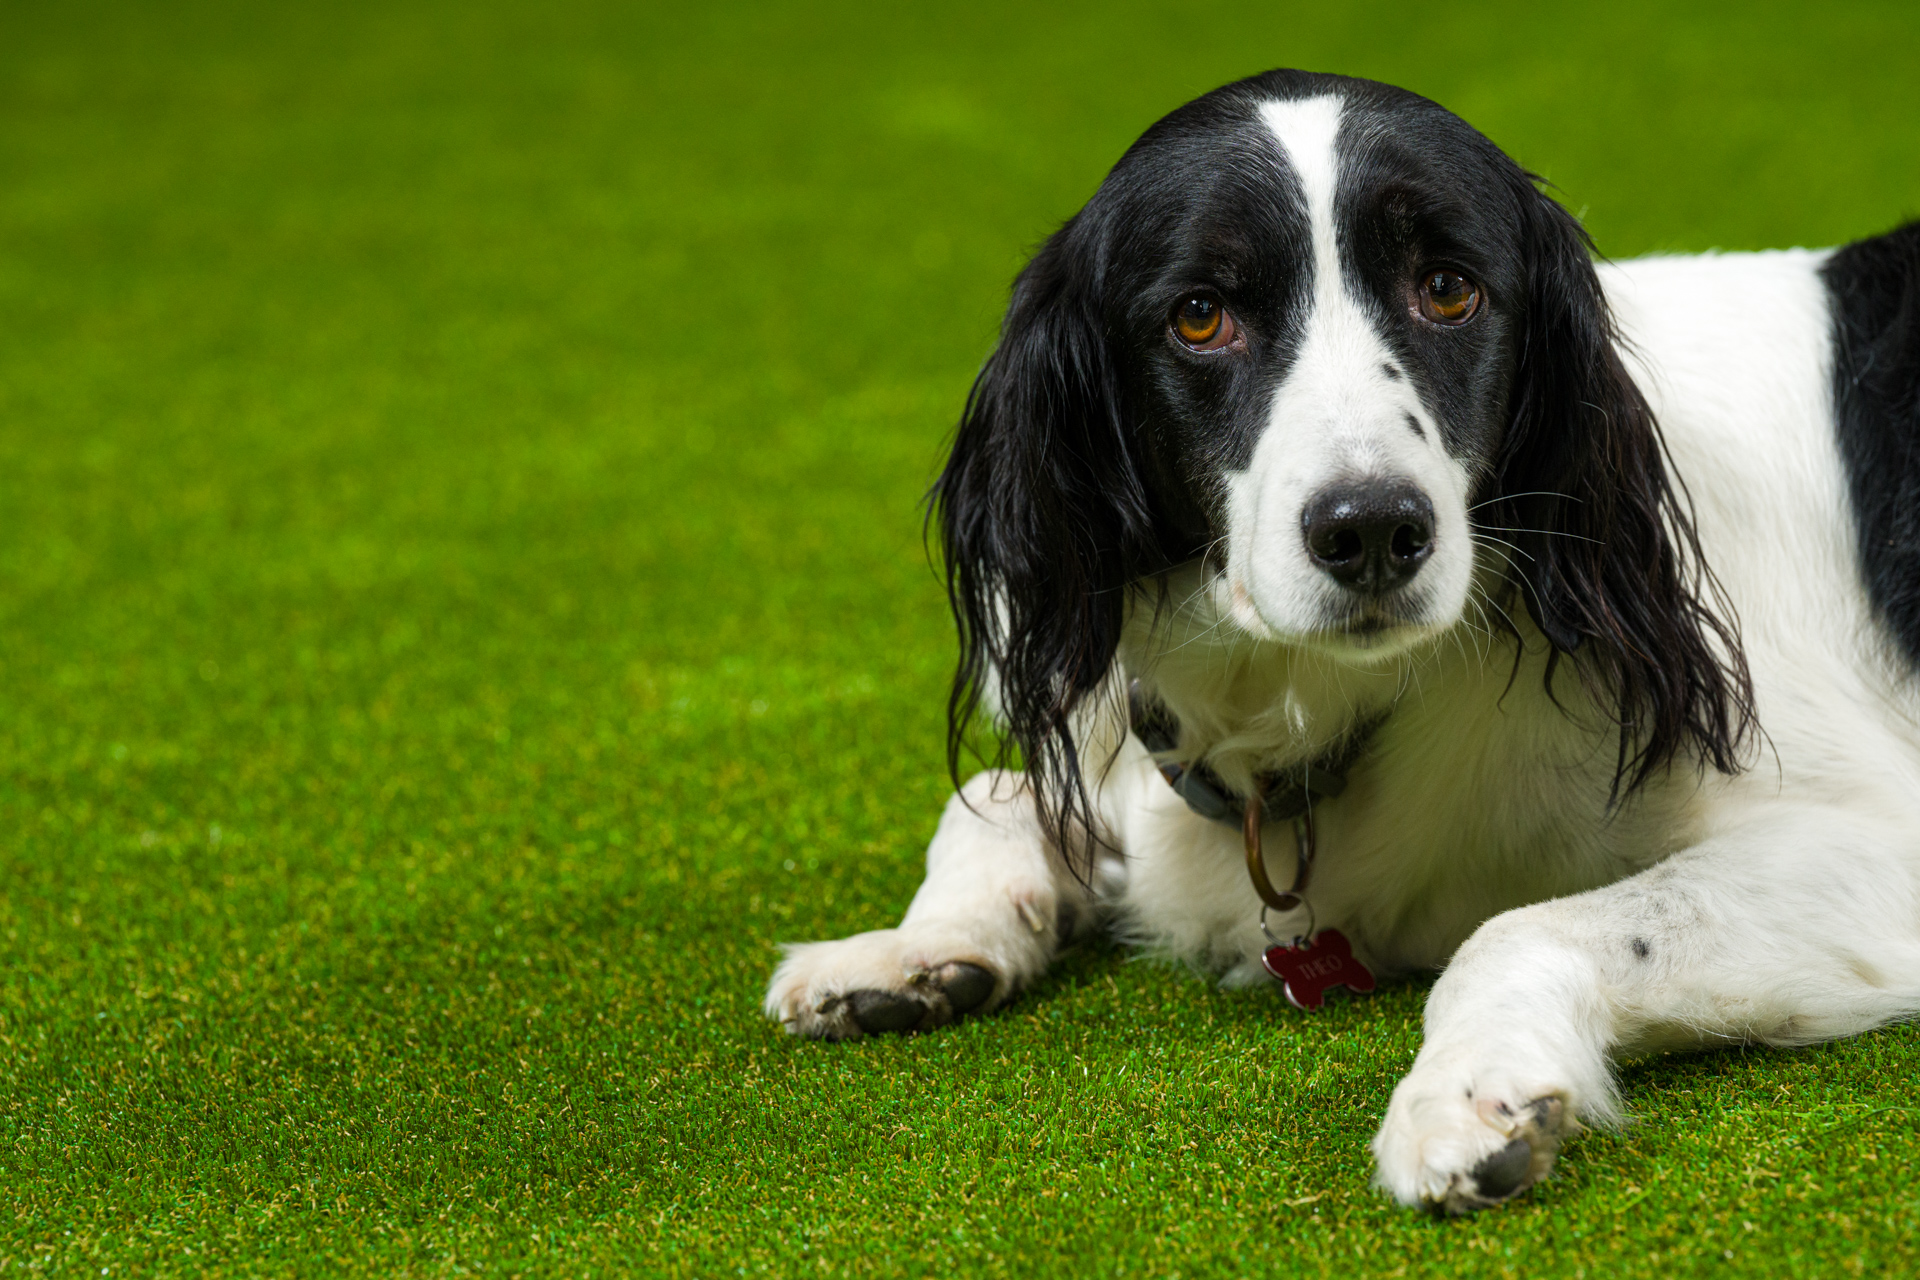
1447 297
1202 324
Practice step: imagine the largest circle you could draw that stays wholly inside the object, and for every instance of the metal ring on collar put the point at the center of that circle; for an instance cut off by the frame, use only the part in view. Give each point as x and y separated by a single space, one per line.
1257 862
1300 939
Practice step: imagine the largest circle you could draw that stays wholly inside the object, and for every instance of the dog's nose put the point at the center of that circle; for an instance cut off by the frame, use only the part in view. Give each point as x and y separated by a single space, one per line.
1370 537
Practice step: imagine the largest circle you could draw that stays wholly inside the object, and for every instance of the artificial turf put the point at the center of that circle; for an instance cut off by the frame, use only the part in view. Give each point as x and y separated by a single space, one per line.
462 602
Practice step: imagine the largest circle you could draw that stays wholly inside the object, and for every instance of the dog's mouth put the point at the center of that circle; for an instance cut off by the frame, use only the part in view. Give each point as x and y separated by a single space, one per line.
1362 625
1372 627
1365 634
1369 625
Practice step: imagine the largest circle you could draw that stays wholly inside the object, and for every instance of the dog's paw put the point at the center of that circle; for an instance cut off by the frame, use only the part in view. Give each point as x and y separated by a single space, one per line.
1454 1142
890 980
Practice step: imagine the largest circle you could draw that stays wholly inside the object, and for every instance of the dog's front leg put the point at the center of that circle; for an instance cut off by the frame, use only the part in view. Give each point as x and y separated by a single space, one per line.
1800 925
997 903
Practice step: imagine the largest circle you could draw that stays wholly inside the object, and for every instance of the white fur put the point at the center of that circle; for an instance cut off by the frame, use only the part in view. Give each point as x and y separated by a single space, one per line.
1778 906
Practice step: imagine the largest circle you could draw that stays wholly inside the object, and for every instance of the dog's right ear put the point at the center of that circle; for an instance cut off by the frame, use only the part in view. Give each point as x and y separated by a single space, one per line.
1046 524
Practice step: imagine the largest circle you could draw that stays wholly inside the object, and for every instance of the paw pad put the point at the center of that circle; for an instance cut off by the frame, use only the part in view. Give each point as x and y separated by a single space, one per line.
1537 1130
878 1012
952 990
968 986
1505 1171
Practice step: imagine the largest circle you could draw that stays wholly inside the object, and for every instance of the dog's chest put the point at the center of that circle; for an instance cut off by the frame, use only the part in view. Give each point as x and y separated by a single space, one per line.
1469 794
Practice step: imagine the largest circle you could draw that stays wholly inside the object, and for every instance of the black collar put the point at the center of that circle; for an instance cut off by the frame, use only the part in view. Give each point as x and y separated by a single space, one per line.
1284 794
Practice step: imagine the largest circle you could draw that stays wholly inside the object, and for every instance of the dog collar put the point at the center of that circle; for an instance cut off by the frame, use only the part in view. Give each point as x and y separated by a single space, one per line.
1282 794
1314 962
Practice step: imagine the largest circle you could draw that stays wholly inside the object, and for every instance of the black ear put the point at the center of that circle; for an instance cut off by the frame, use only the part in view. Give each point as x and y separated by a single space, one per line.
1046 526
1608 561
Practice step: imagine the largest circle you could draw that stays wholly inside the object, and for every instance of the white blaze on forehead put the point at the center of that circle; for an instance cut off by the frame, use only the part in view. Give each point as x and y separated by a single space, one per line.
1343 354
1307 129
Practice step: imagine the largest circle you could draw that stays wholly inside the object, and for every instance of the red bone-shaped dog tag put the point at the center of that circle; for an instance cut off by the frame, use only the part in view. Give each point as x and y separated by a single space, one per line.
1307 972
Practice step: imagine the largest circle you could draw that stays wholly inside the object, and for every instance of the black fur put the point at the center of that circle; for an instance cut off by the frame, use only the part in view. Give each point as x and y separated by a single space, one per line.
1874 287
1089 460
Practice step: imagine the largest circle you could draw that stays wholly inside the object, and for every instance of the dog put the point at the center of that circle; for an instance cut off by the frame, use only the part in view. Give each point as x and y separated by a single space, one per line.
1324 508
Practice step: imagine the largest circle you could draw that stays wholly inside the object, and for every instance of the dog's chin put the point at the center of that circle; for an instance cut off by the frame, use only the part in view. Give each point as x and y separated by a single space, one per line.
1369 642
1361 634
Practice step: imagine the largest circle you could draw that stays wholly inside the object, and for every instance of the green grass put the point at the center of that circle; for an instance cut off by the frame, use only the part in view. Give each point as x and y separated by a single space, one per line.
462 602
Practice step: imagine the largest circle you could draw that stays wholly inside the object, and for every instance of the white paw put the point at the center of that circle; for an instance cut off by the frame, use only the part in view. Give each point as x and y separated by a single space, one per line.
914 978
1456 1140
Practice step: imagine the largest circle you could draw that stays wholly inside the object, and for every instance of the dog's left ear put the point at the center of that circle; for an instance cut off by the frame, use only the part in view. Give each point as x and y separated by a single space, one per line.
1608 561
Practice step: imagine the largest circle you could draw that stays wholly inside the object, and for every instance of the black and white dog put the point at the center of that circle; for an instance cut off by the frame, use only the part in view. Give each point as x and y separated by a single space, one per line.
1316 447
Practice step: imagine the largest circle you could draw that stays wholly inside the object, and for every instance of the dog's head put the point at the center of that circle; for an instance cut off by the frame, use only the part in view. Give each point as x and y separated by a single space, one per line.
1323 336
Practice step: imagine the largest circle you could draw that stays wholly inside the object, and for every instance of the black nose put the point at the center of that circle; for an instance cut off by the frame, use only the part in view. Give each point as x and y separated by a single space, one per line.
1370 537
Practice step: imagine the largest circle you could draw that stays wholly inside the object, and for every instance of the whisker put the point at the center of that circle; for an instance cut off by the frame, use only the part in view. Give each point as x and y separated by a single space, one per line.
1531 493
1545 533
1165 615
1494 605
1486 538
1486 626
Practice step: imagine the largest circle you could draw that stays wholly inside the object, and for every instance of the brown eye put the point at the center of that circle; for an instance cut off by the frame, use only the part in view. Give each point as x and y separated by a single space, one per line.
1445 296
1203 324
